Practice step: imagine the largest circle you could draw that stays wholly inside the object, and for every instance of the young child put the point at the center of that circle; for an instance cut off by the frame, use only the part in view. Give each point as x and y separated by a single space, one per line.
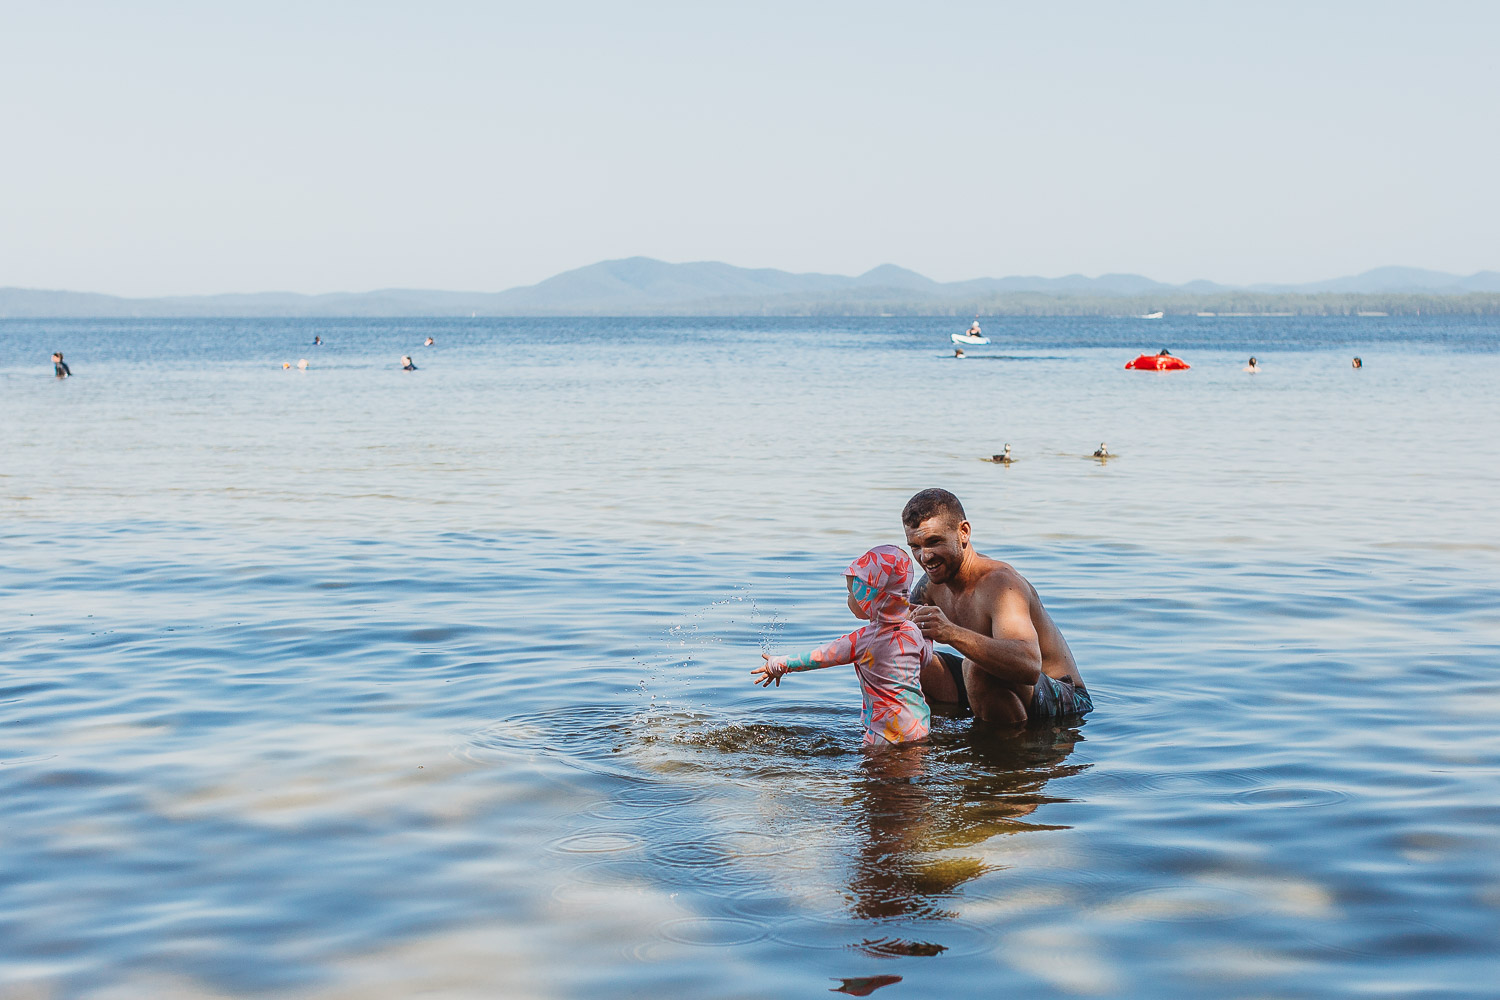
888 654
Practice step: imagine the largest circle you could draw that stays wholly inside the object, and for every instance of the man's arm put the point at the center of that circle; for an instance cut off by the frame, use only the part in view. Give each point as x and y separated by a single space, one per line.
1012 654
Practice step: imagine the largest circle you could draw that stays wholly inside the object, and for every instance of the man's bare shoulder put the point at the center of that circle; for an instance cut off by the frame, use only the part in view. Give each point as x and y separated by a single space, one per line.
997 576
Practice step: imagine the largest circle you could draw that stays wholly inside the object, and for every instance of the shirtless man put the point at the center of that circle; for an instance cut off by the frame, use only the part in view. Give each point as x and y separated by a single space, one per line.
1015 666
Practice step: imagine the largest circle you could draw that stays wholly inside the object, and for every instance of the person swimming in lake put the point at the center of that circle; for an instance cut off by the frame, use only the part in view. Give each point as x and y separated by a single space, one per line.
59 366
1253 366
406 364
1357 363
888 654
427 343
1012 663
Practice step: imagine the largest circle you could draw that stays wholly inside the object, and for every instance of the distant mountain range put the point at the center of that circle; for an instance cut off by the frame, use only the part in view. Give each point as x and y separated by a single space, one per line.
639 286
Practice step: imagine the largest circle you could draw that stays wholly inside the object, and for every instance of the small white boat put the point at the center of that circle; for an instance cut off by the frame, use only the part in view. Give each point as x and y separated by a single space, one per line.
1155 315
965 338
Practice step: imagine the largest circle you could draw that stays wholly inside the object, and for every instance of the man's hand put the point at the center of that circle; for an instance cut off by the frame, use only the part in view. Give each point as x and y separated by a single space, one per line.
771 670
933 623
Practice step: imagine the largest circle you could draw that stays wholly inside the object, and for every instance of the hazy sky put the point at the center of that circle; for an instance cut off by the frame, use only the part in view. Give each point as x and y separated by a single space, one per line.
155 148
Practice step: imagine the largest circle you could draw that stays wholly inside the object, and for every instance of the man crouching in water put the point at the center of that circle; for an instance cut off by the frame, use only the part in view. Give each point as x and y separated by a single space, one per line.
1016 665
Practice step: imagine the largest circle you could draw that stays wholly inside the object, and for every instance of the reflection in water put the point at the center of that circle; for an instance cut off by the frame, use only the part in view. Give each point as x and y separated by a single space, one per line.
918 803
791 826
863 986
764 820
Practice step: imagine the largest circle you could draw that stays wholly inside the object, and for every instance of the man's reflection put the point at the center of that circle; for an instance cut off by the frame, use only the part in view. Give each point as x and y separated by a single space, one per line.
990 782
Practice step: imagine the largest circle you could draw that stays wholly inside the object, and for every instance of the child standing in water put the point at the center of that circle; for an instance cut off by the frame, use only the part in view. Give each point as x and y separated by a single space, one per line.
888 654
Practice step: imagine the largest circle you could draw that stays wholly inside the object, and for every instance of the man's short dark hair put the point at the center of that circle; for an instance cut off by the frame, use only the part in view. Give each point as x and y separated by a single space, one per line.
930 503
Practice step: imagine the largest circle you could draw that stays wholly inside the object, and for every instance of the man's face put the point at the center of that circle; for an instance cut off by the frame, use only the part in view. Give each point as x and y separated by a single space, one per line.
938 545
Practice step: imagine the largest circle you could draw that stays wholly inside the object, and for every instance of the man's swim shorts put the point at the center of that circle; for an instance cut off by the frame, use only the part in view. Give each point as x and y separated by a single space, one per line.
1050 698
955 665
1054 699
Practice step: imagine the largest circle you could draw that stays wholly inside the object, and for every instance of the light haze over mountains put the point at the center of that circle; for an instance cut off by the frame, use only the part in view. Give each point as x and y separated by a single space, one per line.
163 148
644 286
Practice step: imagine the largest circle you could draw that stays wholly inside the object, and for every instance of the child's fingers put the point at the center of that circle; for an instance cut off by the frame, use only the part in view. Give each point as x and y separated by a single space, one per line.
770 672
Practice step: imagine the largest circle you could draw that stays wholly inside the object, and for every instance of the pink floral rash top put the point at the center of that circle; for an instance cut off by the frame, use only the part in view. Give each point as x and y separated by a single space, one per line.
888 654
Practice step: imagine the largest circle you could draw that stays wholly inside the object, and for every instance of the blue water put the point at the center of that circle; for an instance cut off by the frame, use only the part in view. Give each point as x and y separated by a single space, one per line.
353 682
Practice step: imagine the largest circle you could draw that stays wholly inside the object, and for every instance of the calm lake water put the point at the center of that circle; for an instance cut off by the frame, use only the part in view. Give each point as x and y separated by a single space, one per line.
361 683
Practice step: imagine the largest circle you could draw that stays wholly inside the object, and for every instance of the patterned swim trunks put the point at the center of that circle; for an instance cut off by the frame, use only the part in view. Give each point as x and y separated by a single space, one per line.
1050 698
1055 699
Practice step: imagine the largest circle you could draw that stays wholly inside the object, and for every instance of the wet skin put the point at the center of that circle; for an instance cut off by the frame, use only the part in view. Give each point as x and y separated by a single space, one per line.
988 612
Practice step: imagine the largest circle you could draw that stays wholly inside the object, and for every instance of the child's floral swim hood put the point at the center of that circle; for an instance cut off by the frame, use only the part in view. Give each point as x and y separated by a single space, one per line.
882 578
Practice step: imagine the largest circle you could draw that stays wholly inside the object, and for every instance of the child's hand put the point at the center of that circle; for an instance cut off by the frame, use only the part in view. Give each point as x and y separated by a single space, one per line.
771 670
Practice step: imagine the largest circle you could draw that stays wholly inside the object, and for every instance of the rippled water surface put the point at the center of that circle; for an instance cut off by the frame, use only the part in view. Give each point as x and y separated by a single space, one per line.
352 682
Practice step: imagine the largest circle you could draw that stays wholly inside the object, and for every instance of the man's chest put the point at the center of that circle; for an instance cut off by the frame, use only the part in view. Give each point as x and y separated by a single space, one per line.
966 609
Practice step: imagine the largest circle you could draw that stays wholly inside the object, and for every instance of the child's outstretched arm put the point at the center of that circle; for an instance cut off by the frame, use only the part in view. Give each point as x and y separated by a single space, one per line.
840 650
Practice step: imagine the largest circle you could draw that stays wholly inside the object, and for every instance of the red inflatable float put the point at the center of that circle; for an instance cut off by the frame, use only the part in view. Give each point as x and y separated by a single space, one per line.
1158 363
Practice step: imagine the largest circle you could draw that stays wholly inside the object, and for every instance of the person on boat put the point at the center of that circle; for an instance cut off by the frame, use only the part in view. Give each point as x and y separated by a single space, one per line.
1358 363
1012 663
1253 366
1103 451
973 330
1163 353
406 364
59 366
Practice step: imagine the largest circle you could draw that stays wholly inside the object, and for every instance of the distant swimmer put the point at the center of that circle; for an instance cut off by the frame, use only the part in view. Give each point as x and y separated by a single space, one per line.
427 342
1103 451
406 364
1253 366
317 340
1003 458
958 352
285 365
1358 363
302 363
59 366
